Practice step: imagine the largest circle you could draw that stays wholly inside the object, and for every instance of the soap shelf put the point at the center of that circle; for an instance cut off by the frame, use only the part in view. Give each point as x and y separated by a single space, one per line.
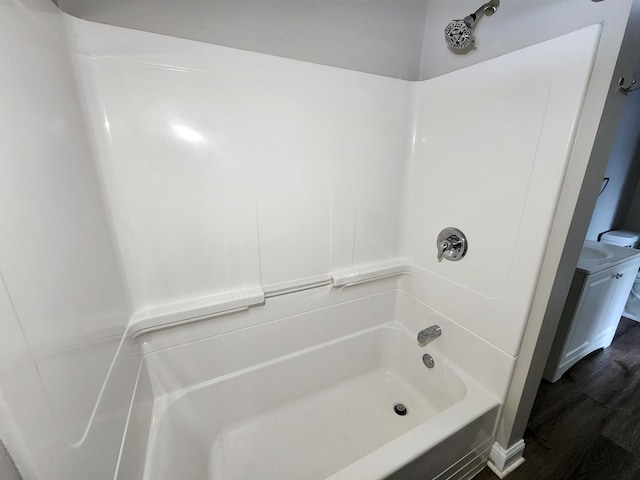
368 273
201 308
225 303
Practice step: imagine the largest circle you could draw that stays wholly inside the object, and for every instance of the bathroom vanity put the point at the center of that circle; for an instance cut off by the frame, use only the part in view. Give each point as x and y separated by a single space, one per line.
600 287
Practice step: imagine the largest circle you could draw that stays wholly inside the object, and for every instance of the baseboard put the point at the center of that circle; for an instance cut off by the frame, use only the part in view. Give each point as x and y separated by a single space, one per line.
502 462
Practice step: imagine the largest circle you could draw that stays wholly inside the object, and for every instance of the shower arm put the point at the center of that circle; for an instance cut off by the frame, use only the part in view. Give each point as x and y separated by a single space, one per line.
487 9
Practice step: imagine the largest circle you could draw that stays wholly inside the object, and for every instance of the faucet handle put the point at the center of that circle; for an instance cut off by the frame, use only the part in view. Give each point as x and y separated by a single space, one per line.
443 246
452 244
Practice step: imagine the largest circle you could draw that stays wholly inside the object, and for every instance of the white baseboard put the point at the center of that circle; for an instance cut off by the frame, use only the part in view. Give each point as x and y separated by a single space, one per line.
502 462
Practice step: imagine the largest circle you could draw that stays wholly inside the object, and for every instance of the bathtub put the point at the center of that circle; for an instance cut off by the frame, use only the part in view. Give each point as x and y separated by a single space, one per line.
312 404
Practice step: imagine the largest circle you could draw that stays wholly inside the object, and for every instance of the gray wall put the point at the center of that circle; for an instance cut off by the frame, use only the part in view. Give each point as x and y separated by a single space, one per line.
8 470
375 36
618 207
632 220
517 24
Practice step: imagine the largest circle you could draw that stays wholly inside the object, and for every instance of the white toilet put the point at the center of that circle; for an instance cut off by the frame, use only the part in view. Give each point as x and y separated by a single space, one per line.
629 239
621 238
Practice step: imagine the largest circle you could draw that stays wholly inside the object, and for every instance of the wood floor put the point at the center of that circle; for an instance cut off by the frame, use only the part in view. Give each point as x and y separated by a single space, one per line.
586 426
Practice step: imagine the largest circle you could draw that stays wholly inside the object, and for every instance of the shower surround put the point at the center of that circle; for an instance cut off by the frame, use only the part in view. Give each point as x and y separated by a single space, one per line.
233 192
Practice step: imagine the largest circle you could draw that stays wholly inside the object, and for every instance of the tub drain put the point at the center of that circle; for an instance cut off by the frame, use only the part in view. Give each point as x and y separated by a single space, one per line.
400 409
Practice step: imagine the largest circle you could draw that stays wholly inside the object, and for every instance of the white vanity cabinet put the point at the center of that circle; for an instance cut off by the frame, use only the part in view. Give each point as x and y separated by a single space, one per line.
598 293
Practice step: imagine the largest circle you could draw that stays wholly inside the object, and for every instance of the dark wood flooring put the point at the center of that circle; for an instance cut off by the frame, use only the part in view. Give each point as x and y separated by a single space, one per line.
586 426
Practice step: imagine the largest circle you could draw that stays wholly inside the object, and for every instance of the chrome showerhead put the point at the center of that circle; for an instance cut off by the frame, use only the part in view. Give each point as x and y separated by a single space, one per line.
459 33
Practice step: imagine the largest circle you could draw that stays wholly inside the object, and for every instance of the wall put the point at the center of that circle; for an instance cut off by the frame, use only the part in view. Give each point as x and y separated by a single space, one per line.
8 469
400 39
517 24
545 19
375 36
63 307
594 140
614 208
280 146
492 161
226 169
629 140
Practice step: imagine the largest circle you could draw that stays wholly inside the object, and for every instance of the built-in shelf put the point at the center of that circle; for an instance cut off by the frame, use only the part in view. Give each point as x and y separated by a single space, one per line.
190 310
368 273
225 303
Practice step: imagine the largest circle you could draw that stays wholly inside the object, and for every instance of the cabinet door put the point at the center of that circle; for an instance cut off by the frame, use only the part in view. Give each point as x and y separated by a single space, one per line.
592 307
597 314
621 279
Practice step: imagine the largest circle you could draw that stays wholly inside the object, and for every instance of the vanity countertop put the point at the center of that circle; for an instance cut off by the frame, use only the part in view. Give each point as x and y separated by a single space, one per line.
597 256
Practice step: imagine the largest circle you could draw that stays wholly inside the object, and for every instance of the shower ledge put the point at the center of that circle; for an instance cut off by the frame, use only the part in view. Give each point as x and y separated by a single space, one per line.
368 273
202 308
194 309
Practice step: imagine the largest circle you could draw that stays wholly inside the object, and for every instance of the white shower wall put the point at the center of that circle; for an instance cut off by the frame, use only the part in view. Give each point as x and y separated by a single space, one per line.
228 169
63 304
509 125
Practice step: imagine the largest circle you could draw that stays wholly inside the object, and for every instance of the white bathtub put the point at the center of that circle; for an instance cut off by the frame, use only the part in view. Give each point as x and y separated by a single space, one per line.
325 410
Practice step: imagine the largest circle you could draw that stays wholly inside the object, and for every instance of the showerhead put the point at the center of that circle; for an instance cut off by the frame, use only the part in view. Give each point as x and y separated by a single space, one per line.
459 33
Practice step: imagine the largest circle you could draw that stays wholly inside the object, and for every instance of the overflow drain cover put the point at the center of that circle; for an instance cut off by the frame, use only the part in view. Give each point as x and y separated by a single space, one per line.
400 409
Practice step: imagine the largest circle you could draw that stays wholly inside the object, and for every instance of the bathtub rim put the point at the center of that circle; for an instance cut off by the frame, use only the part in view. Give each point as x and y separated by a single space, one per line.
488 397
391 456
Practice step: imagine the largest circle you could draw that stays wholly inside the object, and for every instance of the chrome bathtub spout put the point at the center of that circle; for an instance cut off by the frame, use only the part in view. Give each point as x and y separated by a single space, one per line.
429 334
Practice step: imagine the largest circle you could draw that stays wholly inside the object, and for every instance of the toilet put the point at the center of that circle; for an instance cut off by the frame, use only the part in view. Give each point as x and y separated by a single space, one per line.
621 238
629 239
